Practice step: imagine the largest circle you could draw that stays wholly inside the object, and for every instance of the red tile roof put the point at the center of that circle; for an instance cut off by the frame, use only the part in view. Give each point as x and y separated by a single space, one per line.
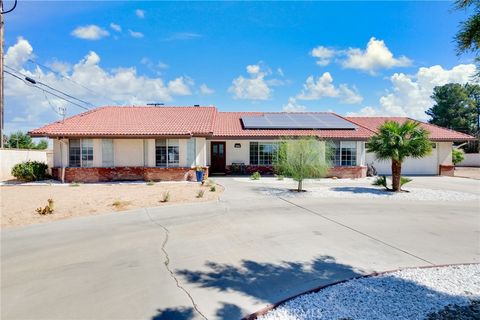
205 121
436 133
134 121
229 124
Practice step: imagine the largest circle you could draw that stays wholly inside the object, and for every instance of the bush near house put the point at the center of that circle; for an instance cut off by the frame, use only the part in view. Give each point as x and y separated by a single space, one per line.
457 156
30 171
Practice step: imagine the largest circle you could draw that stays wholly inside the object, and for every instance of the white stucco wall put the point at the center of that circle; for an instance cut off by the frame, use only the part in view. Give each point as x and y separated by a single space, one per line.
202 151
237 155
128 152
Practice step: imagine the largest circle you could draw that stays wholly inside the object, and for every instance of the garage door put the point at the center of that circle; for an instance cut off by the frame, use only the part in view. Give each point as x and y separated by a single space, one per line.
424 166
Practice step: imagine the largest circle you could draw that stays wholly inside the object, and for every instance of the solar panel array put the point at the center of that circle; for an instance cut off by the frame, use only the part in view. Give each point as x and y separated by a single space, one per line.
297 121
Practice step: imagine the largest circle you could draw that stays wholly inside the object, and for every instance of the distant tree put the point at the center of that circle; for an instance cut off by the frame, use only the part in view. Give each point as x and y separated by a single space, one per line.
21 140
303 159
396 142
468 37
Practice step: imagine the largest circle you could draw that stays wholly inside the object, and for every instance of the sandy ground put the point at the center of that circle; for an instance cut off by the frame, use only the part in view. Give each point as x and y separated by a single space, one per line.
468 172
18 202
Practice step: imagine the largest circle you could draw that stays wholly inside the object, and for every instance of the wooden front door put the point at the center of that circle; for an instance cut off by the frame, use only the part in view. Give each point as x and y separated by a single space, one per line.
217 154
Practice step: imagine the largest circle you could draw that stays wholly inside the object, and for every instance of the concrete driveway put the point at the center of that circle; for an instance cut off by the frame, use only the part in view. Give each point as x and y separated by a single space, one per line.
225 259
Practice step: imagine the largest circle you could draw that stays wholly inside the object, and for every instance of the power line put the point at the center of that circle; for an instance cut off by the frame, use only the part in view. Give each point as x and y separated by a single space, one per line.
33 81
49 92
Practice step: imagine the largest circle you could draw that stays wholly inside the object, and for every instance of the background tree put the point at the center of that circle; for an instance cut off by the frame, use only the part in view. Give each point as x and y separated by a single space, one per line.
398 141
21 140
301 159
468 37
457 107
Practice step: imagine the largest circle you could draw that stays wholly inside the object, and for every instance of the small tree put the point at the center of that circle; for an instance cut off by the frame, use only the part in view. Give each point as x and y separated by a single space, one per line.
21 140
396 142
457 156
302 159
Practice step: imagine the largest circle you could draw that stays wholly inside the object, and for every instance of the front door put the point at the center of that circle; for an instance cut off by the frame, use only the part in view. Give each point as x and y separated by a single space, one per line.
217 157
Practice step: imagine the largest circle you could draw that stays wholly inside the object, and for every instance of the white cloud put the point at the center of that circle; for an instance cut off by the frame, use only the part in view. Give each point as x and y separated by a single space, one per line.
116 27
293 106
90 32
323 54
376 56
205 90
18 54
410 94
27 107
350 95
140 13
135 34
182 36
253 88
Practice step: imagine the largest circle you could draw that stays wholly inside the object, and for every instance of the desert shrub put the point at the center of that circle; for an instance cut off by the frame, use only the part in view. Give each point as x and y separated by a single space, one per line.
150 183
213 188
48 209
404 180
165 196
255 176
380 182
74 184
457 156
279 177
200 193
30 171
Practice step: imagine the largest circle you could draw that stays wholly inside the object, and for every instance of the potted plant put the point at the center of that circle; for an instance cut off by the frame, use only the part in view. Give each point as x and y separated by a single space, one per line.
199 173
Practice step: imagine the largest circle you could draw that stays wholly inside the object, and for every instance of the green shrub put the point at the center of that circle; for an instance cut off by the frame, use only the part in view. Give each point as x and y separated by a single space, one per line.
74 184
404 180
30 171
150 183
457 156
200 193
165 196
255 176
380 182
279 177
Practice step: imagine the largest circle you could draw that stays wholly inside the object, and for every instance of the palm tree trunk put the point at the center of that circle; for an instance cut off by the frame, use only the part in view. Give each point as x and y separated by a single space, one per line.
300 185
396 174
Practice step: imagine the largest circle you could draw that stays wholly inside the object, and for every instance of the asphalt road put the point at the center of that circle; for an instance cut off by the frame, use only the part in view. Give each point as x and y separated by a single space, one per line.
225 259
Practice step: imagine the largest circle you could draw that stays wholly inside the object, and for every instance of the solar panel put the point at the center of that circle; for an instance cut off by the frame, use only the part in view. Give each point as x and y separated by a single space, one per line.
296 121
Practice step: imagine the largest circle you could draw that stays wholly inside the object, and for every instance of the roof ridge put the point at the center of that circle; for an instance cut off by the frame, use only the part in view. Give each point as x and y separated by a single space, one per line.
437 126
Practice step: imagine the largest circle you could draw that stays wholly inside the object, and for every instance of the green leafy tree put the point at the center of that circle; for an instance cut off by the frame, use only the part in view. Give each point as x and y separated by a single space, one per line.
302 159
21 140
398 141
457 156
456 107
468 37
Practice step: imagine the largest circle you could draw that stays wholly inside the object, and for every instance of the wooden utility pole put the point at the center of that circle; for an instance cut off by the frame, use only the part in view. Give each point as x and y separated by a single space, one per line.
2 120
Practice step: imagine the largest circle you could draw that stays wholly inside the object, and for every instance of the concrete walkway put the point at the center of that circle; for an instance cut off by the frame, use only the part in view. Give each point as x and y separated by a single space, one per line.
225 259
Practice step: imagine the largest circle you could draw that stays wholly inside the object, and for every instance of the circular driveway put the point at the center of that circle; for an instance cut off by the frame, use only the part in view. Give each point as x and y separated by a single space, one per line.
226 259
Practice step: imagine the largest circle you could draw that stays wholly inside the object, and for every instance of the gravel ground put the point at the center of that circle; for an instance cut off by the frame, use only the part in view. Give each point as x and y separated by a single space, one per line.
407 294
372 192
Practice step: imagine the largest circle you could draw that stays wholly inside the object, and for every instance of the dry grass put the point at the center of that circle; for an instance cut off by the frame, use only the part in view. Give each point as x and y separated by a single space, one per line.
19 202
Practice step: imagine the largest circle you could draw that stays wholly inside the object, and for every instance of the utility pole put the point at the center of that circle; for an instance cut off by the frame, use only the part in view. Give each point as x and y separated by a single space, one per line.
2 120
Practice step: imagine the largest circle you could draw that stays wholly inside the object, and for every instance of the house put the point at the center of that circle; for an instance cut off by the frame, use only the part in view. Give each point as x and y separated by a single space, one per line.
165 143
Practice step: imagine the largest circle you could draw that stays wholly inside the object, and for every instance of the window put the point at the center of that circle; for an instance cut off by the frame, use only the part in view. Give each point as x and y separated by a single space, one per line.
263 153
74 153
81 153
166 153
107 153
345 153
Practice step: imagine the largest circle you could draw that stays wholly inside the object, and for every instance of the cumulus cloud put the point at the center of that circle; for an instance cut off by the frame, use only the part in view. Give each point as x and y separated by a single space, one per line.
349 95
116 27
122 86
140 13
319 88
19 53
410 94
374 57
205 90
90 32
293 106
135 34
323 55
253 87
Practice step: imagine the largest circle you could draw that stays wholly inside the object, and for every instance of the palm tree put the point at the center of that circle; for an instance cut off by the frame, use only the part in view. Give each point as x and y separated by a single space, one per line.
398 141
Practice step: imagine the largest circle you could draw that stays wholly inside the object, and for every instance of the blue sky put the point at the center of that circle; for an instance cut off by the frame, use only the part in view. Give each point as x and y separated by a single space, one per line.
366 58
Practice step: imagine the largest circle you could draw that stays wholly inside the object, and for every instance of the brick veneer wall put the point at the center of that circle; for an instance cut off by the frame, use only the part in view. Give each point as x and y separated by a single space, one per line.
126 174
348 172
446 170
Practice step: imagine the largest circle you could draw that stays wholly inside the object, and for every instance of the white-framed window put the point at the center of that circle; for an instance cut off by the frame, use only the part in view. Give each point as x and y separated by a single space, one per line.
80 153
167 153
107 153
344 153
263 153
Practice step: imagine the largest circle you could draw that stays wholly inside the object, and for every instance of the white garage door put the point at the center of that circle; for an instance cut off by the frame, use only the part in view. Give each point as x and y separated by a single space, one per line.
424 166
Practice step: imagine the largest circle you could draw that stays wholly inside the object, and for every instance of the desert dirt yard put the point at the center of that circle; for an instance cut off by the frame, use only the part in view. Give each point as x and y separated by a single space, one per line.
19 202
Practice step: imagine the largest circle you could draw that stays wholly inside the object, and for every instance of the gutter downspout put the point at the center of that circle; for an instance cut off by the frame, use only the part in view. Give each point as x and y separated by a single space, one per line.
61 160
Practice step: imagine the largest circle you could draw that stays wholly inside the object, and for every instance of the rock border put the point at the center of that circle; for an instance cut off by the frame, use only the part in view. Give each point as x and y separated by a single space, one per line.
273 306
